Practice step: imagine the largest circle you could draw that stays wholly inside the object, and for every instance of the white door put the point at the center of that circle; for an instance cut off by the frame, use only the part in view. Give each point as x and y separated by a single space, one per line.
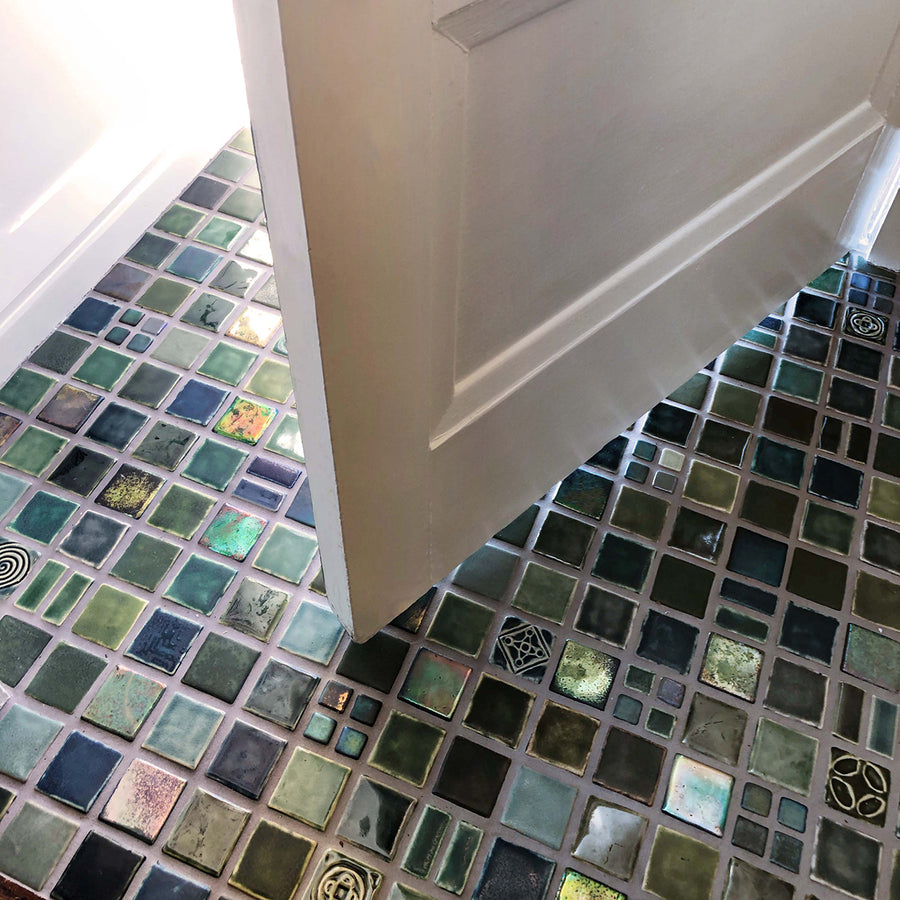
523 222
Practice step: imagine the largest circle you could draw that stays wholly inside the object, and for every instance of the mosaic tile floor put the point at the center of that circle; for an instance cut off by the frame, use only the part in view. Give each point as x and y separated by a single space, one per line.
675 675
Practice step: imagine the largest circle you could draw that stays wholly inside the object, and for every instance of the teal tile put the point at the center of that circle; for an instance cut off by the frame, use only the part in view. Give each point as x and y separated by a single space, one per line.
314 633
103 368
539 807
459 858
227 363
184 731
798 381
25 389
21 643
33 450
11 488
285 439
286 554
200 584
43 517
24 738
214 464
320 728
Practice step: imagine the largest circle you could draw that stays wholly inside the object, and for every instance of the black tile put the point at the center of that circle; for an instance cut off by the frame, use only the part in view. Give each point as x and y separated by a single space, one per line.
807 344
682 585
749 596
817 578
757 556
100 870
817 310
861 298
808 633
778 462
116 426
667 641
723 442
375 817
517 532
859 359
512 872
161 884
623 562
605 615
584 492
887 455
697 534
851 397
376 663
81 470
499 710
630 765
670 423
59 352
609 456
750 836
246 759
796 691
472 776
769 507
204 192
881 546
835 481
410 620
523 649
858 443
79 772
564 538
790 420
830 435
163 641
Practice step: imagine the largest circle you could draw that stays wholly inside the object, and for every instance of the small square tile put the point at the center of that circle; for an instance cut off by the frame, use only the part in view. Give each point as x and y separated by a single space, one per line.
92 315
320 728
285 439
309 788
407 748
732 667
609 837
256 610
786 852
233 533
757 799
715 729
245 421
627 709
197 402
472 776
637 472
514 871
698 794
181 511
498 710
630 765
25 737
103 368
79 771
184 731
130 491
273 862
161 884
20 645
43 517
108 616
539 807
149 385
59 352
143 800
523 649
220 667
585 674
246 759
365 709
206 832
750 836
214 464
792 814
435 683
33 450
34 842
139 343
336 696
163 641
660 723
639 679
272 381
286 554
81 470
116 426
783 756
281 694
123 703
375 802
200 584
351 742
66 675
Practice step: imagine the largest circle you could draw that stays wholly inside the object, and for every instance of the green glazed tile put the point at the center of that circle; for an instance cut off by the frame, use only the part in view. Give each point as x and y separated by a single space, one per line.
145 562
221 667
763 338
373 801
798 381
108 616
404 892
739 623
219 233
59 352
639 679
661 723
286 554
407 748
273 862
682 585
351 742
231 166
585 674
712 486
320 728
66 600
208 311
426 841
184 731
769 507
33 450
11 488
179 220
309 788
164 296
877 599
543 592
829 282
539 807
314 633
882 727
732 667
165 445
214 464
25 389
180 348
181 511
435 683
680 867
103 368
256 609
243 204
200 583
227 363
746 882
499 710
827 527
272 380
463 624
640 513
206 832
33 843
563 737
24 739
735 403
123 703
783 756
285 440
846 859
873 657
884 499
757 799
21 643
65 677
41 585
746 364
459 858
232 533
693 392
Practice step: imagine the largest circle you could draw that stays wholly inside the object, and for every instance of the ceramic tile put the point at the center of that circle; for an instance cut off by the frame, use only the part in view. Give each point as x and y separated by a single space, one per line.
471 776
715 729
487 571
81 470
33 843
272 863
92 315
314 632
426 842
197 402
286 554
235 279
220 233
93 539
116 425
539 807
123 702
11 488
65 676
320 728
256 610
750 836
281 694
59 352
285 439
680 584
255 326
180 511
161 884
460 857
24 738
143 800
584 492
108 616
184 731
797 691
103 368
680 867
846 859
43 517
698 794
435 683
163 641
375 817
585 674
146 561
732 667
407 748
514 871
79 771
220 667
783 756
33 451
266 498
200 584
498 710
214 464
245 759
630 765
243 204
462 624
351 742
336 695
337 871
309 788
623 562
565 539
21 643
667 641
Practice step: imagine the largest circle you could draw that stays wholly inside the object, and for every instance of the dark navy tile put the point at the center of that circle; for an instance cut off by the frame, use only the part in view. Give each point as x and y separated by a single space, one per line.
79 772
100 869
817 310
197 402
276 472
757 556
163 641
261 496
116 425
835 481
92 315
204 192
161 884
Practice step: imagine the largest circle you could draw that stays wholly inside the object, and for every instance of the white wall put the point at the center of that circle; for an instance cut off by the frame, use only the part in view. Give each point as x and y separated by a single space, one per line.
108 109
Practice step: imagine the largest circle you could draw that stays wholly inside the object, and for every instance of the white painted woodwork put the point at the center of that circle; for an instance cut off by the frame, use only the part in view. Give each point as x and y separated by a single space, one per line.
522 223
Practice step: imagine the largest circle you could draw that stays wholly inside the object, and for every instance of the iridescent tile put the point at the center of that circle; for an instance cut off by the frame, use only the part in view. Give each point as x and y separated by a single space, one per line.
732 667
245 420
435 683
576 886
585 674
233 532
698 794
143 800
609 837
255 326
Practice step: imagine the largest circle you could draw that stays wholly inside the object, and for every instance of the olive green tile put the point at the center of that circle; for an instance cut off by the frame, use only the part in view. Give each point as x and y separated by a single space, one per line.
585 674
544 592
693 392
243 204
181 511
680 867
256 609
827 527
123 703
285 439
273 862
164 296
67 598
712 486
884 499
459 858
272 380
426 841
461 624
562 737
309 788
108 616
66 675
783 756
25 389
25 736
221 667
286 554
184 731
41 585
609 837
145 562
732 667
877 599
103 368
746 364
33 843
33 450
227 363
735 403
407 748
180 347
639 512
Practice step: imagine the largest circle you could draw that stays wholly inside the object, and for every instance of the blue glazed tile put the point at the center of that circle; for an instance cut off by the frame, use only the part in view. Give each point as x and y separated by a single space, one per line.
301 508
351 742
163 641
197 402
116 426
117 335
91 315
139 343
261 496
276 472
193 263
79 772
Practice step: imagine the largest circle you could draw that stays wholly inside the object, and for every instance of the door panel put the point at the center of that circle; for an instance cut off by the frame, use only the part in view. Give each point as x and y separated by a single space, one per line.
521 224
